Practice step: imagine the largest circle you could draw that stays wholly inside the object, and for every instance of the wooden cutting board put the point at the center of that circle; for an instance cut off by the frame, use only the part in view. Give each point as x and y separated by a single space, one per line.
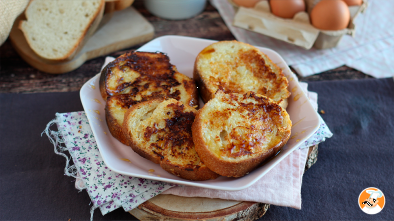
170 207
122 29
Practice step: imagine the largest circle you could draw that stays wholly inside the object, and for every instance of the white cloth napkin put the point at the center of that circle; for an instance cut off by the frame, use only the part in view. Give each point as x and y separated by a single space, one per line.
9 11
370 51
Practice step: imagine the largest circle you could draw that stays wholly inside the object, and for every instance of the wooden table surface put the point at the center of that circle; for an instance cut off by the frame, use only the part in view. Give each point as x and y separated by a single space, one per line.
16 76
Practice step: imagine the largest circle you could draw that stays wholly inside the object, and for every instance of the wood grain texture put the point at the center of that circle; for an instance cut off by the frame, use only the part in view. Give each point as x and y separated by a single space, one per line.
16 76
312 156
170 207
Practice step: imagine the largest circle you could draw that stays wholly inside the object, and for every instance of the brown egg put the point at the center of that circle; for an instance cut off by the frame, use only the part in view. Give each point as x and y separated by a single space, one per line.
286 8
246 3
353 2
330 15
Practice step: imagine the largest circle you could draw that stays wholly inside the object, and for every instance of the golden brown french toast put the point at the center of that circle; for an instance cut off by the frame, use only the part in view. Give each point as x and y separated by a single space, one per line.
115 109
139 76
234 133
143 73
160 130
236 67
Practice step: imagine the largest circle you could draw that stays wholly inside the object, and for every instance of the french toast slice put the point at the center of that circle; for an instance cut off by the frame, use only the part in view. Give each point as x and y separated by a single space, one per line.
234 133
236 67
160 130
115 109
143 73
139 76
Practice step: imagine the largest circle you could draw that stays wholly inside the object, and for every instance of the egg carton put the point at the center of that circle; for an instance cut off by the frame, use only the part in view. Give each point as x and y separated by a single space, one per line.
298 31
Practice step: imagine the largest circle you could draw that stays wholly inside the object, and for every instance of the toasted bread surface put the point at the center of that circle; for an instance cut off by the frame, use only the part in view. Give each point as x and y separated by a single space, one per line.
161 132
234 133
115 109
140 76
56 30
145 73
236 67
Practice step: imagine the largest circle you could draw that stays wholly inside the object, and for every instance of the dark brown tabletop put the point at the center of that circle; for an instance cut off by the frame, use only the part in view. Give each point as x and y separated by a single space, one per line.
17 76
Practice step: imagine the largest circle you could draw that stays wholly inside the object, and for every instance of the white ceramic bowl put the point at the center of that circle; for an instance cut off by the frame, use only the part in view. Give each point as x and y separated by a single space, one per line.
175 9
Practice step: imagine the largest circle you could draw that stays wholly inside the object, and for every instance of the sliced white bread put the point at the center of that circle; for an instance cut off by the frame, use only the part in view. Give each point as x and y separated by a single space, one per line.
122 4
56 30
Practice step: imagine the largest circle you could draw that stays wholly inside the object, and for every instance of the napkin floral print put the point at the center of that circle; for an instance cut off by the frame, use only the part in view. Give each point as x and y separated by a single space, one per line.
319 136
107 190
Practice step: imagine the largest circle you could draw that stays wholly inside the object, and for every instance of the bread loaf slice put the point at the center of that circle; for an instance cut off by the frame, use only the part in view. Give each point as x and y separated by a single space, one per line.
122 4
236 67
146 73
115 109
116 5
140 76
234 133
161 132
56 30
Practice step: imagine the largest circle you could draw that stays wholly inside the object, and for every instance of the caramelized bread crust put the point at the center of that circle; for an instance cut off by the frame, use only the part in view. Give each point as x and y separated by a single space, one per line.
140 76
234 133
144 73
236 67
161 132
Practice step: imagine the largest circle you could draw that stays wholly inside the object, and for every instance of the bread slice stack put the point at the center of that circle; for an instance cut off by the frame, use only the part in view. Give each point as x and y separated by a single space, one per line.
244 121
160 130
234 133
56 30
140 76
150 106
236 67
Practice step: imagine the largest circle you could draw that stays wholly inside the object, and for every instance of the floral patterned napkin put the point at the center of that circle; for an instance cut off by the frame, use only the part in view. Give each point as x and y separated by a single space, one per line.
107 190
323 132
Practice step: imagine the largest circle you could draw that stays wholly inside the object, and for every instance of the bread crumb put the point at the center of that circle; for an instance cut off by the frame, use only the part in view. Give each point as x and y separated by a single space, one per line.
322 112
